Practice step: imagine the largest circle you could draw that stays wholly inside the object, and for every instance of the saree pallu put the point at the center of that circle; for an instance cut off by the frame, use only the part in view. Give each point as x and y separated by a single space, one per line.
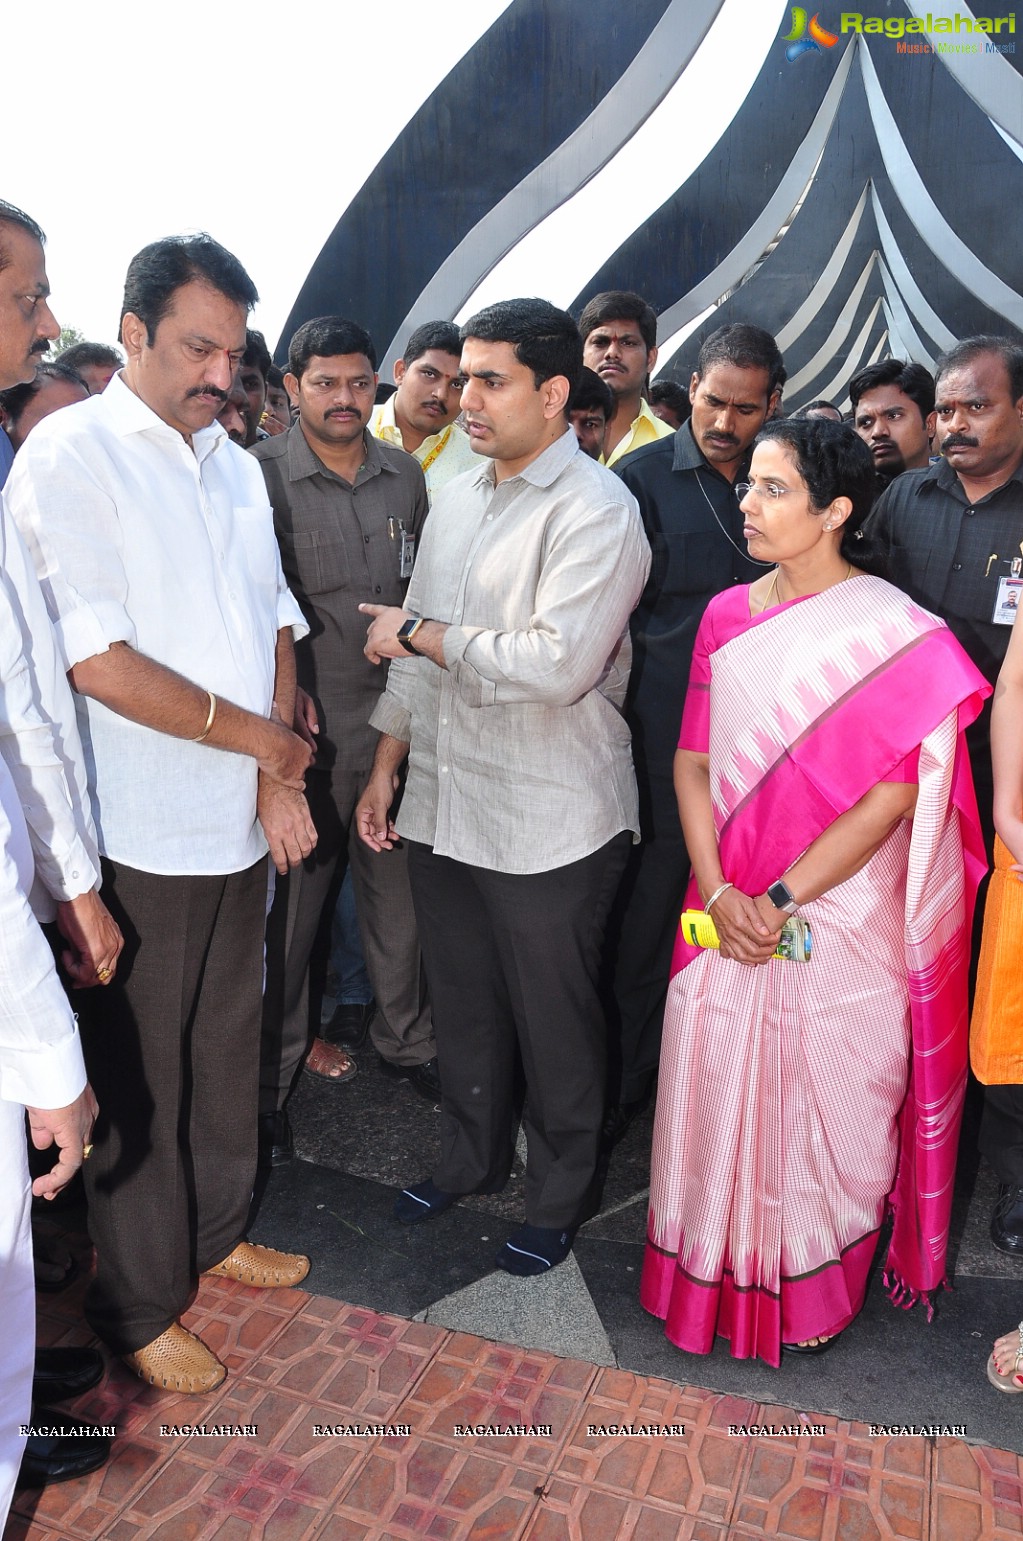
797 1101
996 1032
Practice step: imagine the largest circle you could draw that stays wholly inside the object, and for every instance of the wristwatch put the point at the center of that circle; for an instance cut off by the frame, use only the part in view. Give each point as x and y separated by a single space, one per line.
407 631
782 897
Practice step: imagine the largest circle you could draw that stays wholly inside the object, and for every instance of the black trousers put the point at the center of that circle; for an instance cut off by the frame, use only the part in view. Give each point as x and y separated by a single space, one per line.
402 1029
514 959
640 941
172 1051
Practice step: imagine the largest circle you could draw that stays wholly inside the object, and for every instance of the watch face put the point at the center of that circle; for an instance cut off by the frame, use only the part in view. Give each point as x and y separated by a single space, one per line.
780 895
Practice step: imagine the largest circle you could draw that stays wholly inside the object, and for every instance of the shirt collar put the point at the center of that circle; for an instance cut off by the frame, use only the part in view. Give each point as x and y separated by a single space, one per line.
384 426
689 457
303 460
941 474
546 468
127 413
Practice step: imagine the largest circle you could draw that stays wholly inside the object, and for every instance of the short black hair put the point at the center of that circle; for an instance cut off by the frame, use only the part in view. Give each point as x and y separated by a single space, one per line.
834 463
10 215
591 393
673 395
442 335
328 337
747 347
161 268
970 348
820 405
256 351
912 379
14 400
81 354
619 305
275 377
545 338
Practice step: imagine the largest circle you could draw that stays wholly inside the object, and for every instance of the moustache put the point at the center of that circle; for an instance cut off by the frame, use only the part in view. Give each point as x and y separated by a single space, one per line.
208 390
958 441
42 347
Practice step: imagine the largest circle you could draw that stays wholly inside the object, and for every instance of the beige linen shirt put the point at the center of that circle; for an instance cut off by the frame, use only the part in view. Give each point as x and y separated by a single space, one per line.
520 759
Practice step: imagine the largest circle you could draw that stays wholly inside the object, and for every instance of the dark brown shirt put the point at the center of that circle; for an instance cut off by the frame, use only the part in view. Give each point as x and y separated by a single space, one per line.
341 547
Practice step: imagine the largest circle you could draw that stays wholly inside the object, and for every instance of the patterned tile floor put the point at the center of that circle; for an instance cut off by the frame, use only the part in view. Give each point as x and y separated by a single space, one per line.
556 1469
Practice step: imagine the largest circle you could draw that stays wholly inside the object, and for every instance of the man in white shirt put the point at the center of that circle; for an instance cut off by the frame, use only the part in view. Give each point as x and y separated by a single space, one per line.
153 540
46 849
420 417
520 804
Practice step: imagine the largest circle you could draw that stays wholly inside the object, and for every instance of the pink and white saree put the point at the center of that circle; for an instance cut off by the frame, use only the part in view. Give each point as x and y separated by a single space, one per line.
797 1101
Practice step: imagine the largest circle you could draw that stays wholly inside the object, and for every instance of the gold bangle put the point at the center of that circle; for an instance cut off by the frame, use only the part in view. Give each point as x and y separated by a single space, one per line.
210 719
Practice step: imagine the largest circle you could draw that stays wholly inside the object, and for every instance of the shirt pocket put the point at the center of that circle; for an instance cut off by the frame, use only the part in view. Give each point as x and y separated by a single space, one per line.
254 524
316 561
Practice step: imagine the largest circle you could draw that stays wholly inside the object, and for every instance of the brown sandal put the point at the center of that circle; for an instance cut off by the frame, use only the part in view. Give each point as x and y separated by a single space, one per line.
328 1062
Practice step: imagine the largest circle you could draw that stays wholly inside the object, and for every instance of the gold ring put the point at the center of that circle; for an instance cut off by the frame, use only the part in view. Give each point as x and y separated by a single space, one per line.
104 975
86 1152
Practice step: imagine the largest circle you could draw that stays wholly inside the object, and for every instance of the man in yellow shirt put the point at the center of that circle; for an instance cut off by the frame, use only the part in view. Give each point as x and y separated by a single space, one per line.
420 417
619 332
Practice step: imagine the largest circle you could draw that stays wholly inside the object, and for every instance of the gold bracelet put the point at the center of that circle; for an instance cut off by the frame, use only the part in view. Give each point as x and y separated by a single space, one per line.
209 721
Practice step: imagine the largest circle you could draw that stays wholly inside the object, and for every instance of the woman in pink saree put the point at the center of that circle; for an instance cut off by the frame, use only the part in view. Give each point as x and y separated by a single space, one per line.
821 771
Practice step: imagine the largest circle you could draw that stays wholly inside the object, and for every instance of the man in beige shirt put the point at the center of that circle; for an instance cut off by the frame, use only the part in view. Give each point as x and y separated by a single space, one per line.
512 659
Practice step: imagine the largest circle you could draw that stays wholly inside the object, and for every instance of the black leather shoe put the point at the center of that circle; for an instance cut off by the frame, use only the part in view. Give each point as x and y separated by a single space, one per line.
276 1141
1007 1220
60 1448
63 1373
349 1026
424 1078
620 1119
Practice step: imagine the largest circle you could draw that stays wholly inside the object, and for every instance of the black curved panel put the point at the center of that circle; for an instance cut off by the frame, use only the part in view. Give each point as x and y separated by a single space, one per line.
510 101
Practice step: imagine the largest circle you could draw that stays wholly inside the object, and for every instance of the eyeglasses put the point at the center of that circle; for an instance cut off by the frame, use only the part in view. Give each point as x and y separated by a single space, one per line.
769 490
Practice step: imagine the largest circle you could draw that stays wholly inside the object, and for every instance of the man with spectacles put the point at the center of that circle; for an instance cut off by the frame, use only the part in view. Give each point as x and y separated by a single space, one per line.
685 486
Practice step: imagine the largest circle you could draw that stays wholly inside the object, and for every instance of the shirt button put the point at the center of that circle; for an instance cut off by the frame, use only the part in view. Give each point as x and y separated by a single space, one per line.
489 517
957 567
366 539
443 723
377 589
444 769
971 512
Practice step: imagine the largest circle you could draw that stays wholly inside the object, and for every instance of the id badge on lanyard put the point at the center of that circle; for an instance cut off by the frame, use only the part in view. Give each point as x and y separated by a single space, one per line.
1008 596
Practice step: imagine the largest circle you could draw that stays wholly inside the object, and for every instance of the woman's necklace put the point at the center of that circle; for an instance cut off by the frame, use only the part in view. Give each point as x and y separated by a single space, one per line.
769 596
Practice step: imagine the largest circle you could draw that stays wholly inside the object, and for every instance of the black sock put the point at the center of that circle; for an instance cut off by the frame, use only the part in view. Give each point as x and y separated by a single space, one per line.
534 1249
422 1202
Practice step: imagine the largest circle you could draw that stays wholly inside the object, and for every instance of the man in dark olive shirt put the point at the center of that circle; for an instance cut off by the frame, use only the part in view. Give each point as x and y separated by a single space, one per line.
685 485
952 535
348 510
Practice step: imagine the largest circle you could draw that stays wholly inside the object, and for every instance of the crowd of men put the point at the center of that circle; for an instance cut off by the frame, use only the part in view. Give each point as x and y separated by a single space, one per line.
433 642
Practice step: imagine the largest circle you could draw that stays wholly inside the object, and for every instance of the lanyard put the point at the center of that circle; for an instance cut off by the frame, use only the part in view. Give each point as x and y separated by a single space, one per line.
431 457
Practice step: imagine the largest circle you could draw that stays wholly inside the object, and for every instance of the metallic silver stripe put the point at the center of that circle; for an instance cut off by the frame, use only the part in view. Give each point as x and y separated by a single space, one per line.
988 78
924 212
825 285
730 271
908 285
835 339
665 54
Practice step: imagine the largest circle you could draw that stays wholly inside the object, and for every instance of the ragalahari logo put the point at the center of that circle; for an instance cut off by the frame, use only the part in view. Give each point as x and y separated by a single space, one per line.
799 43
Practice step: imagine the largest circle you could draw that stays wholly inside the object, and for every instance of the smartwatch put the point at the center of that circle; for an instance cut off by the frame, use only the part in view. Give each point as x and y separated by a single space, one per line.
781 896
406 634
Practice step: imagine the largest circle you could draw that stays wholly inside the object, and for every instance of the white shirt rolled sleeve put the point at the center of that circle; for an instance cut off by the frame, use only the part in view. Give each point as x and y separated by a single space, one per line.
140 538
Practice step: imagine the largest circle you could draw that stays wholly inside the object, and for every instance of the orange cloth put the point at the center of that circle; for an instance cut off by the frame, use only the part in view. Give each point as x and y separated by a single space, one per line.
996 1032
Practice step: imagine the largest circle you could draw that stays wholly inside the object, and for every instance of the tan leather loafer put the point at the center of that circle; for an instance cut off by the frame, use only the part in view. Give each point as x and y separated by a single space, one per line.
177 1361
262 1267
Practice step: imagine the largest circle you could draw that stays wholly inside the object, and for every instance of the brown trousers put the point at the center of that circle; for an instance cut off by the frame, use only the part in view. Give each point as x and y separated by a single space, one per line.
172 1051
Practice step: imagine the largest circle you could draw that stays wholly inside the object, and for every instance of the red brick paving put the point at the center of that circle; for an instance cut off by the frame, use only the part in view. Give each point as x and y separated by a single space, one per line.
297 1360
